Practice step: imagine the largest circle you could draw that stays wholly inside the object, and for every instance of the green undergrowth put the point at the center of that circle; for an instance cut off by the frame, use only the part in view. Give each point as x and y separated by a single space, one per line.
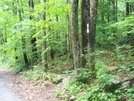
60 65
37 74
110 65
6 61
84 88
117 63
18 67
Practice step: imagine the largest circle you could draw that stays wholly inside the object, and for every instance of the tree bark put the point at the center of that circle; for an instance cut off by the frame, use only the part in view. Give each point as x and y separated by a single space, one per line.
108 14
114 18
127 9
103 16
92 33
69 45
23 42
44 54
33 39
74 34
24 51
85 16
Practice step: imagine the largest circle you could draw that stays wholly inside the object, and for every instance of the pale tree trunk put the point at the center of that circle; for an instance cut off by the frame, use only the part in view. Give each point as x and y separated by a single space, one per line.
85 16
44 54
74 34
93 18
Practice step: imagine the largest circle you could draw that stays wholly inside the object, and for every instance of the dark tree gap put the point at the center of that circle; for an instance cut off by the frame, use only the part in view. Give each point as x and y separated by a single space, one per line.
33 39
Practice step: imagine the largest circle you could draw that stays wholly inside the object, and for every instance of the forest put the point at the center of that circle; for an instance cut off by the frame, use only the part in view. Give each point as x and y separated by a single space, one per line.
90 42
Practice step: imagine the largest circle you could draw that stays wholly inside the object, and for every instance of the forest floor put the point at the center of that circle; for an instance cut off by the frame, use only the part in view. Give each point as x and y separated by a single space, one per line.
18 88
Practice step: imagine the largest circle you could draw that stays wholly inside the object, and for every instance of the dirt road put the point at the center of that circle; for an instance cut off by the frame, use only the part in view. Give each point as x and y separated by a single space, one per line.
15 88
5 93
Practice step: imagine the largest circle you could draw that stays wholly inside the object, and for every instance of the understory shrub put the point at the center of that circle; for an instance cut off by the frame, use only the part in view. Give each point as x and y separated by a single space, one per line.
102 88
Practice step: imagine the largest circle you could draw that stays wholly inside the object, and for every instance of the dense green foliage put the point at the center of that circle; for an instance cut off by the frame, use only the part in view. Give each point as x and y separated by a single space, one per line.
114 46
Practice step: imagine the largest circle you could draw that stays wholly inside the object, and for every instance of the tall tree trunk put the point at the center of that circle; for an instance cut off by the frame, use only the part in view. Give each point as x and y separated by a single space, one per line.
52 53
44 54
114 6
128 11
74 35
85 16
114 18
108 14
69 45
23 42
24 51
15 12
131 7
33 40
92 33
103 16
1 38
127 8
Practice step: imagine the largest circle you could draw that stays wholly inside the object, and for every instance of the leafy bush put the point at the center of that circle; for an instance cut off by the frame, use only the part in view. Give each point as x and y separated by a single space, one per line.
128 93
126 68
100 68
83 75
123 53
102 88
74 87
18 67
36 74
